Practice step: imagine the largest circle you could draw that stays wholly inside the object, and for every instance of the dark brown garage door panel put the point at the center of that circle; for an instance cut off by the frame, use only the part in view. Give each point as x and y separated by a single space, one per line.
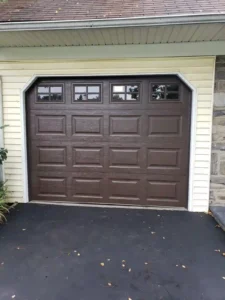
110 142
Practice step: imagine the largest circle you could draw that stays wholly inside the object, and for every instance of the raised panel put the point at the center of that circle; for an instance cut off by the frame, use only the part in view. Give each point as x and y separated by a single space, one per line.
125 189
124 158
88 157
164 125
163 158
125 125
160 190
87 125
52 187
51 125
87 187
51 156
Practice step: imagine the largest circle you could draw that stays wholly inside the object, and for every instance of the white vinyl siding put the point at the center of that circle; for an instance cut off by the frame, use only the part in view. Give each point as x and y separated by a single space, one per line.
198 71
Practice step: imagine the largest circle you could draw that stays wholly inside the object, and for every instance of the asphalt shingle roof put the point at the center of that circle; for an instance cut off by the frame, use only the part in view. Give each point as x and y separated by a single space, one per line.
49 10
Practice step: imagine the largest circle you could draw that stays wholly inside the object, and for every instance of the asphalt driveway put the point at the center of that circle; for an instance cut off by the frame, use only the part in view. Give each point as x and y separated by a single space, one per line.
79 253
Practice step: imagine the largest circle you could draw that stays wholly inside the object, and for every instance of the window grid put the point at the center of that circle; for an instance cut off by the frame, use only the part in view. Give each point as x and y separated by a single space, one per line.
49 93
126 93
165 92
87 93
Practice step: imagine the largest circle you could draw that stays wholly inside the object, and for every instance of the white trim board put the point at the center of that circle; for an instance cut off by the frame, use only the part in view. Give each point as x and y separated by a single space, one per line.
113 51
192 135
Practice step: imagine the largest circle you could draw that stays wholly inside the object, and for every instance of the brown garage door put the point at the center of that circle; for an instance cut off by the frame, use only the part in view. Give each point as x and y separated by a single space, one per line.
115 140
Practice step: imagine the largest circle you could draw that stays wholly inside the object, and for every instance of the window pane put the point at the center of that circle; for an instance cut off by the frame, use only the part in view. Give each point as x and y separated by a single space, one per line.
43 89
43 97
56 97
56 89
80 89
119 88
132 88
80 97
158 91
94 89
118 97
93 97
172 96
132 97
172 87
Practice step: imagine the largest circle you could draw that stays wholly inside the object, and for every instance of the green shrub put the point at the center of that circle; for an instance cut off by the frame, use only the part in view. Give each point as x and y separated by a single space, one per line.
3 204
3 189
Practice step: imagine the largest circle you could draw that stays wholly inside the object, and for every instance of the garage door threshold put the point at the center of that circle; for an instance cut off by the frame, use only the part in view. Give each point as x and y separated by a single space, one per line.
109 206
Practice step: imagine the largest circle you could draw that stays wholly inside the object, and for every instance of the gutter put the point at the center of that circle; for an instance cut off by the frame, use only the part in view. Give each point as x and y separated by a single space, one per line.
183 19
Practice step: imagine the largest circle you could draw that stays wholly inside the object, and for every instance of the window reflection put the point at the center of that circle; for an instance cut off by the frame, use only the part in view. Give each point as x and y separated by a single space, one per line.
126 92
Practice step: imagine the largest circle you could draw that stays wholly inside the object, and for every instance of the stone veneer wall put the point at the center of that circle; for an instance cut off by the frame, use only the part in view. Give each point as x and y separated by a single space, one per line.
217 187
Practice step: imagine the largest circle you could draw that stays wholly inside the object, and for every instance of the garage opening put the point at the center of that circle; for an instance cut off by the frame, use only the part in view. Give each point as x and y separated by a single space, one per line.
109 140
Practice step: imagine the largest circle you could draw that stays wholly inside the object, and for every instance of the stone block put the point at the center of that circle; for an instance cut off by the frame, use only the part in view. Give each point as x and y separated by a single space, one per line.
218 133
218 146
220 59
220 72
219 99
218 180
214 164
211 196
222 168
222 156
220 196
216 186
221 85
218 116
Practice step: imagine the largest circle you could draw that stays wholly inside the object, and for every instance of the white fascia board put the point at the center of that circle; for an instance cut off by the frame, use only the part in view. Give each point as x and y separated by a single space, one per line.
116 22
115 51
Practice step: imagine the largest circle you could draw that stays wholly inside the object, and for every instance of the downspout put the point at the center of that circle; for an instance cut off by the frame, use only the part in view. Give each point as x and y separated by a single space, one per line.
2 175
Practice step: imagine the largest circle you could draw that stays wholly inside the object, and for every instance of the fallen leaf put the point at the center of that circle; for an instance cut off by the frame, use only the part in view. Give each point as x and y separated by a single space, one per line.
24 229
108 259
75 251
177 265
217 226
123 265
129 299
78 254
153 232
123 261
217 250
129 270
13 296
223 254
183 266
146 263
102 264
56 11
223 278
109 284
209 213
158 215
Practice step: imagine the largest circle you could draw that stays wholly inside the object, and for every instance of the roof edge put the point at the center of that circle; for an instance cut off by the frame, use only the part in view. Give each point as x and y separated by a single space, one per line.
181 19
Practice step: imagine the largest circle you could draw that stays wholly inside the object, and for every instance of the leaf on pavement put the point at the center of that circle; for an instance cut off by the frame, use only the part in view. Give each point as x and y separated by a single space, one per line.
102 264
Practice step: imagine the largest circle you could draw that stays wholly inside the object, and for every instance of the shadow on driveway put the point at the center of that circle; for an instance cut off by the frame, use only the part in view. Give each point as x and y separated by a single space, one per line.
80 253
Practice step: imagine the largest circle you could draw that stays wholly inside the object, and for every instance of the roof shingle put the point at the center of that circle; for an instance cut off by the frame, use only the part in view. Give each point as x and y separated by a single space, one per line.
50 10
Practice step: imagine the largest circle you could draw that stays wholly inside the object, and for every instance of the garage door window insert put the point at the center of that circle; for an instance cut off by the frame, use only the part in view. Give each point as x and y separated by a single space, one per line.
125 93
87 93
165 92
50 93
